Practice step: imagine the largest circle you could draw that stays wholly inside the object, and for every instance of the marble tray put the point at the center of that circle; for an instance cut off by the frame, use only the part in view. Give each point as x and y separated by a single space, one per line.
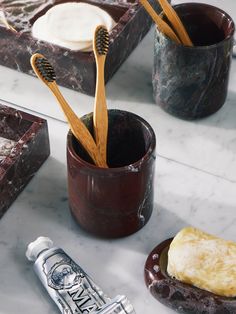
74 69
24 146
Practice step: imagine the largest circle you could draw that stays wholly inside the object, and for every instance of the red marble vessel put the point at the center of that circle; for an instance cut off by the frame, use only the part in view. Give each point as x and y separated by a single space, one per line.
116 201
31 149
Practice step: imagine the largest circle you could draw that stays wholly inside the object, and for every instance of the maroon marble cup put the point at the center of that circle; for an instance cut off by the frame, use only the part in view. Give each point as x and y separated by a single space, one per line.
116 201
192 82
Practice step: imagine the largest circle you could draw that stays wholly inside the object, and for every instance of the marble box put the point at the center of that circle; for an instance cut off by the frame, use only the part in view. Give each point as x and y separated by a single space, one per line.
24 146
74 69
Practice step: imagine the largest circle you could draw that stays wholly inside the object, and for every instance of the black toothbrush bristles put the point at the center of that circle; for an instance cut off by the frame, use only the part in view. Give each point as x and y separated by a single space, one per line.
45 69
102 40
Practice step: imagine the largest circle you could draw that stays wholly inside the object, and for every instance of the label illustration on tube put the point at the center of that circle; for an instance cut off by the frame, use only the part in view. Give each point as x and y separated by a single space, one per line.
72 285
64 275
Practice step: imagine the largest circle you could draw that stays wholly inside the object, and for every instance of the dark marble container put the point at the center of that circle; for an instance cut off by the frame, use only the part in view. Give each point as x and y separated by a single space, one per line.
31 148
192 82
74 69
181 297
116 201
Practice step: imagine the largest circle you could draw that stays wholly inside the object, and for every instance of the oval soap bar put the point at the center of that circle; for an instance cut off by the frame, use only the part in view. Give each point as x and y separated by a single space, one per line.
180 296
203 260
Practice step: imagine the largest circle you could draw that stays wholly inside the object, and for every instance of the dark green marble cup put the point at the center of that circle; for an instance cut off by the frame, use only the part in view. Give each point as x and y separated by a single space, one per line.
192 82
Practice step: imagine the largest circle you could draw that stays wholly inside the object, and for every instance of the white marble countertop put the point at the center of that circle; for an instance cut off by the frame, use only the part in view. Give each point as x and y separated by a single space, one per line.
195 184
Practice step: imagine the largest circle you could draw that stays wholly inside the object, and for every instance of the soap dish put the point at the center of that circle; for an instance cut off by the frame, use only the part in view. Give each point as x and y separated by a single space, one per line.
74 69
24 146
181 297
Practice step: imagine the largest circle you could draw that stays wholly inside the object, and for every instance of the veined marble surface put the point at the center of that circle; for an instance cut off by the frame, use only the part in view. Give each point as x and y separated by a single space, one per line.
195 184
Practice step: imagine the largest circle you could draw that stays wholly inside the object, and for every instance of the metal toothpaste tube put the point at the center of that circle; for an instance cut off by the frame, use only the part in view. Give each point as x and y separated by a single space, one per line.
69 286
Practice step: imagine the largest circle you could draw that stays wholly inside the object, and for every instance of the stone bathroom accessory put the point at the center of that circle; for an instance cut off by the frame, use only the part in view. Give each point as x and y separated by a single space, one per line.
116 201
182 297
192 82
23 149
75 69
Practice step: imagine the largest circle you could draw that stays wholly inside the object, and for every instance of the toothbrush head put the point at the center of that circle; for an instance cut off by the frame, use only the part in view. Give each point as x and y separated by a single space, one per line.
101 40
42 68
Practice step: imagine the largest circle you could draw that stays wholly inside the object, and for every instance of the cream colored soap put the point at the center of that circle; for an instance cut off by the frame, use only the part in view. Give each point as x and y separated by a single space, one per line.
75 22
203 260
71 25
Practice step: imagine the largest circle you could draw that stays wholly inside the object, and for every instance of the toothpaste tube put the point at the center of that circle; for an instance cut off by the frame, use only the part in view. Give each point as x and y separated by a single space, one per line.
69 286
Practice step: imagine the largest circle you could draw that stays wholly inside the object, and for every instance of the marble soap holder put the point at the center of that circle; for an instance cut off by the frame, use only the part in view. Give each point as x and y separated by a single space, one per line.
24 146
180 296
74 69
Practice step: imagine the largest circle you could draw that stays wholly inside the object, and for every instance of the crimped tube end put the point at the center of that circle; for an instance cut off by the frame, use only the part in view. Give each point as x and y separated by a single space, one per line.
118 305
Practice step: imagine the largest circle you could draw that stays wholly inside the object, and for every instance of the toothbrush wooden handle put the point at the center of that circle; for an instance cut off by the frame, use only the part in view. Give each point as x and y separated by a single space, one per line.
78 128
162 26
175 22
100 114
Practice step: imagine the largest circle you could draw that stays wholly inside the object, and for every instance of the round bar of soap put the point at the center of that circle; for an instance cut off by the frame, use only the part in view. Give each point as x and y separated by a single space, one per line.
75 22
181 297
71 25
40 30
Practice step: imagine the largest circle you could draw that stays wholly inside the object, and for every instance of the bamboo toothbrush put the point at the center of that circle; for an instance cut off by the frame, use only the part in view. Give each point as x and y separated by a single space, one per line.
175 22
46 74
162 26
100 115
